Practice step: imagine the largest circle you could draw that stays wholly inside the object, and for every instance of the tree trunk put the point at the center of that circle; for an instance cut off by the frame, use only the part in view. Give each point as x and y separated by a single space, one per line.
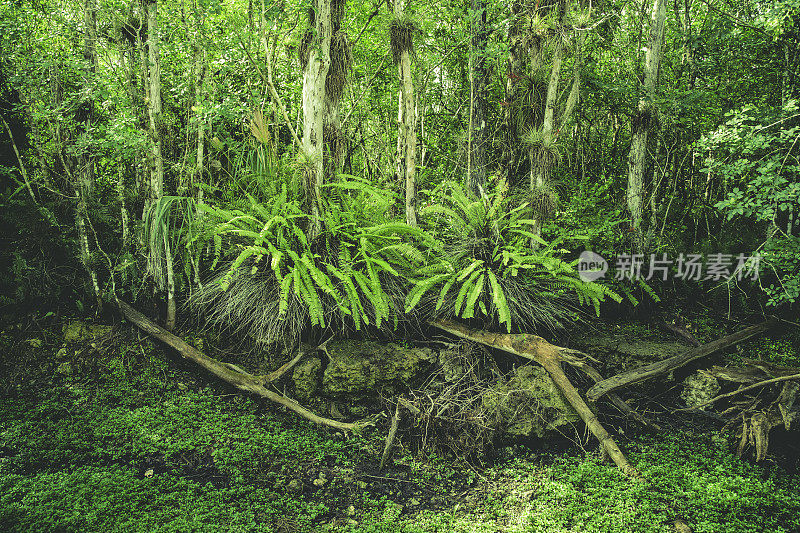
542 155
515 76
315 72
407 114
156 159
84 175
641 124
476 175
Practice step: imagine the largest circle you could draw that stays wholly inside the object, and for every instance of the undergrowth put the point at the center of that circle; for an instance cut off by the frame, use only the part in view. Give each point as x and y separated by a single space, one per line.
131 442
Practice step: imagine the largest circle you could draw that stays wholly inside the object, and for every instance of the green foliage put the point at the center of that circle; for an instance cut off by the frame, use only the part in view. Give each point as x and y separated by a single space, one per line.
492 272
752 156
348 275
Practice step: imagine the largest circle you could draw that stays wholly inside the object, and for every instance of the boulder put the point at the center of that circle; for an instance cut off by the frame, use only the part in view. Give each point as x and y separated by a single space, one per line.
699 388
306 378
78 331
360 367
529 403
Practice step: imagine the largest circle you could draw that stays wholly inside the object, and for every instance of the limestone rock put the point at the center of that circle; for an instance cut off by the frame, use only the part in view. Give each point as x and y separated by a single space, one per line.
699 388
528 403
306 378
358 367
78 331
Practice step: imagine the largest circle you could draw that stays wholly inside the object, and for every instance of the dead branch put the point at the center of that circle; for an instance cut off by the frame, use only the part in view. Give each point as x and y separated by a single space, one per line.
241 380
666 365
741 390
550 357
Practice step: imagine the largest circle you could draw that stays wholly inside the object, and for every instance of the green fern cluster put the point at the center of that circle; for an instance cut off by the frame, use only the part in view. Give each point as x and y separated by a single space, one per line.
280 280
490 271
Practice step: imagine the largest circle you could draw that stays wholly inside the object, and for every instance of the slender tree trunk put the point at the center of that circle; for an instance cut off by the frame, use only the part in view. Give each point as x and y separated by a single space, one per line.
641 124
84 175
543 155
156 159
315 72
515 77
407 115
476 174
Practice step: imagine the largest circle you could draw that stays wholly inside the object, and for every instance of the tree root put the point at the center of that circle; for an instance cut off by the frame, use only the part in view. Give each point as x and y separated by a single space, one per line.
238 378
550 357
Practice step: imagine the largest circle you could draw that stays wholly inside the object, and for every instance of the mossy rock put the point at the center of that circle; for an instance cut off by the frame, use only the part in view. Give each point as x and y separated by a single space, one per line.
529 403
365 367
306 378
79 331
699 388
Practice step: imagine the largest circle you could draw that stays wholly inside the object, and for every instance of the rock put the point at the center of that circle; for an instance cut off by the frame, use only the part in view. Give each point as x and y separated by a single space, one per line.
362 485
78 331
63 353
295 486
452 365
306 377
351 511
319 482
359 367
528 404
65 369
699 388
625 352
34 343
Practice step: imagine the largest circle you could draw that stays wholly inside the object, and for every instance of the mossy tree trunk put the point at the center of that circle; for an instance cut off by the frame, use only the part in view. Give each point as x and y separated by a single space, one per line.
402 37
512 155
642 121
316 61
478 77
84 175
155 156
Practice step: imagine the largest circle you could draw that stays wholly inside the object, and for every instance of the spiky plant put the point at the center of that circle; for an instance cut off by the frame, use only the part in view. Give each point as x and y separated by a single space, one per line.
489 272
279 284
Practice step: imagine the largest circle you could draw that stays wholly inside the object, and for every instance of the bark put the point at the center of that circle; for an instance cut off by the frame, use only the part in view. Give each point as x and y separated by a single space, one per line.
314 76
84 176
155 157
642 121
550 357
515 75
478 77
229 373
666 365
408 130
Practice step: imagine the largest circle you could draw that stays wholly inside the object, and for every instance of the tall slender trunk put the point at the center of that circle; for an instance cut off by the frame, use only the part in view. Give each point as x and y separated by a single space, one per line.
516 65
407 111
315 71
476 175
156 159
84 175
543 154
641 124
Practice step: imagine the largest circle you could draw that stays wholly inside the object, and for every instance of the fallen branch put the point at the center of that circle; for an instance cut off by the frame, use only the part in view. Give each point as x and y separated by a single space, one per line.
618 402
239 379
666 365
741 390
550 357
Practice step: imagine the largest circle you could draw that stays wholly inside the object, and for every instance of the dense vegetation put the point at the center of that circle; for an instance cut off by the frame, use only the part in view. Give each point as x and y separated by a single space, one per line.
277 174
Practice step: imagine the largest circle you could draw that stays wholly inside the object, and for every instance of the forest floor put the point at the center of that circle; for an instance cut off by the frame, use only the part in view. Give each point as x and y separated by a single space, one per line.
118 435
